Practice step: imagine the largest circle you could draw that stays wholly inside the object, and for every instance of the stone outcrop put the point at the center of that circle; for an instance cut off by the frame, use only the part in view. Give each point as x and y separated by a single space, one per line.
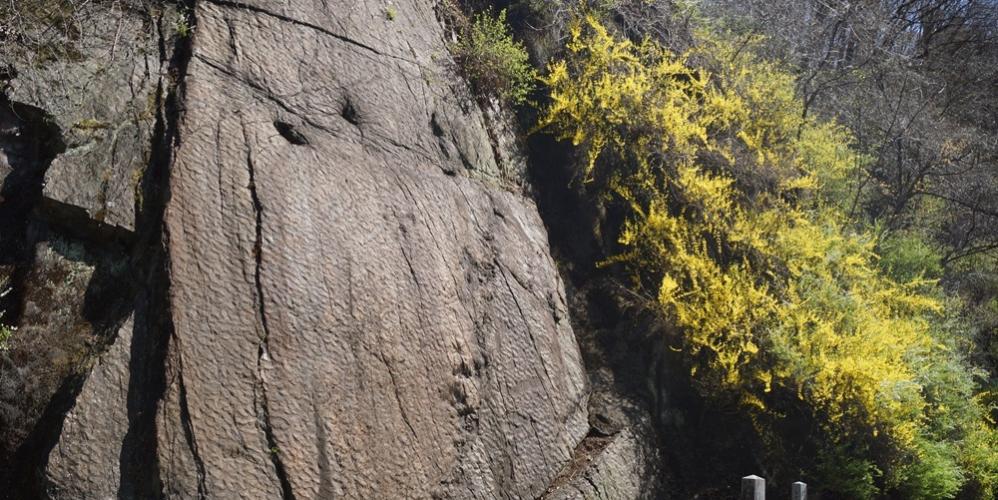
618 459
76 119
328 280
358 319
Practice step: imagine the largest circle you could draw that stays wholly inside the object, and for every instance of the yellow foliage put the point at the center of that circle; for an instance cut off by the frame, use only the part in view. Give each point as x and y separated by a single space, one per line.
772 293
623 85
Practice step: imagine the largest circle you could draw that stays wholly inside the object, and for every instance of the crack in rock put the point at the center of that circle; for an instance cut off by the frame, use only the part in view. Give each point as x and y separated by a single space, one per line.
189 437
299 22
263 350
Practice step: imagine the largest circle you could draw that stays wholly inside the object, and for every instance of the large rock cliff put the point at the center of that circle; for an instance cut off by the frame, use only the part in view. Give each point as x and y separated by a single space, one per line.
277 250
349 315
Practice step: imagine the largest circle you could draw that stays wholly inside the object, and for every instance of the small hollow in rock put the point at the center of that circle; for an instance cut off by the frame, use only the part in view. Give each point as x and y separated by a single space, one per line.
349 113
289 132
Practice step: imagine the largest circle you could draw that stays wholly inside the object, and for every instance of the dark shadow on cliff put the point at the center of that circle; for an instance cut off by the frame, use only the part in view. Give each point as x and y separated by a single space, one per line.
105 306
627 349
129 279
31 140
612 360
139 474
29 222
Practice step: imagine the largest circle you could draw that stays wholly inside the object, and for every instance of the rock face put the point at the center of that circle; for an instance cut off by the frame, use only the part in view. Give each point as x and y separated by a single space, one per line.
340 296
75 134
350 317
99 87
618 459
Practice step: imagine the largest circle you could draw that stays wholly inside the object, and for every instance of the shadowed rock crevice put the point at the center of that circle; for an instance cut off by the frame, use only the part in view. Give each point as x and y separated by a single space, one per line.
29 141
54 323
89 287
75 457
290 133
75 222
25 476
349 113
627 367
153 331
189 437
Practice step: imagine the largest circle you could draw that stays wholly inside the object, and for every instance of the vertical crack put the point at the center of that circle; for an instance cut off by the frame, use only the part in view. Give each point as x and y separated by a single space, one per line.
154 338
192 444
263 353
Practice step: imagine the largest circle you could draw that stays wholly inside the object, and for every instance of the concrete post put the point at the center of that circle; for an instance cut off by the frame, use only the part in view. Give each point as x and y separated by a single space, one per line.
753 488
798 491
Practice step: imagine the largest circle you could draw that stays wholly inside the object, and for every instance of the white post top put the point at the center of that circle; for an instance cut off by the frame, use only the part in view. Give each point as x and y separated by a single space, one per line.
798 491
753 488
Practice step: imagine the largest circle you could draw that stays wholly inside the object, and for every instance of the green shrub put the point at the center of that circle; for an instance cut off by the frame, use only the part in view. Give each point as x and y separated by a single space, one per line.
842 471
182 23
907 257
493 61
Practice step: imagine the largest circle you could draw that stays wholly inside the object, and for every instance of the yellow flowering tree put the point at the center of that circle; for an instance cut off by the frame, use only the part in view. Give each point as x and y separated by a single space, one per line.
779 302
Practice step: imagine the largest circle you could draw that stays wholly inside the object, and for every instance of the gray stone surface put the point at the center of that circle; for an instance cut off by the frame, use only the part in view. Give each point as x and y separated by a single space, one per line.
616 473
97 77
619 459
85 461
360 304
351 318
798 491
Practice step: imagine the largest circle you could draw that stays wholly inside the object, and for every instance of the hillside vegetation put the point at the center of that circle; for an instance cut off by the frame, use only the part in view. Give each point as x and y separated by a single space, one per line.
755 232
